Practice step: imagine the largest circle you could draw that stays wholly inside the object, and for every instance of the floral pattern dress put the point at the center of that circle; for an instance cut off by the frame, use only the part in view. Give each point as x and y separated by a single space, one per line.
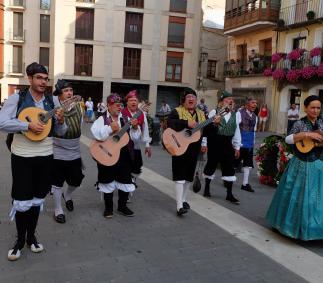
297 206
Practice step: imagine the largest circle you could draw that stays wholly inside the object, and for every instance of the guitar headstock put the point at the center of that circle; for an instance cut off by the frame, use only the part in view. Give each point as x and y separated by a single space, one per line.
68 104
144 106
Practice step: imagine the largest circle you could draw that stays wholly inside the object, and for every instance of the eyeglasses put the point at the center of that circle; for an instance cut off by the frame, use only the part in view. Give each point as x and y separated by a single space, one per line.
39 78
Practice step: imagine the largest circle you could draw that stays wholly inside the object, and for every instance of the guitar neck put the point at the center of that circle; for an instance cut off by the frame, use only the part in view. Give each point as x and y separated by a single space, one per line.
126 127
49 114
208 121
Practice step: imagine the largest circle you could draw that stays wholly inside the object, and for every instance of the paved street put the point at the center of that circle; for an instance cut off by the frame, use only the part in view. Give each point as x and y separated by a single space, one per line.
156 245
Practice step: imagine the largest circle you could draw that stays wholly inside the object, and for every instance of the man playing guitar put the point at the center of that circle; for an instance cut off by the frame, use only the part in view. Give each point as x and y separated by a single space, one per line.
186 115
117 176
224 141
31 161
130 110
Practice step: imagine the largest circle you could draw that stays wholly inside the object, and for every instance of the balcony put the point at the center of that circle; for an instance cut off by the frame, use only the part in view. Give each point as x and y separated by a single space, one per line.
17 5
16 69
299 15
298 66
16 36
254 67
252 16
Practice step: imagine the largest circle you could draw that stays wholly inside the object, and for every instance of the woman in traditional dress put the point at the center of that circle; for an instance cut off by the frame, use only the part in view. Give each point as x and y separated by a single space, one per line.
297 207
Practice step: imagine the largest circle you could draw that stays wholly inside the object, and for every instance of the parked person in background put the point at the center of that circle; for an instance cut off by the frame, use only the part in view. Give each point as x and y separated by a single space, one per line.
293 116
165 108
89 110
101 109
263 117
202 106
82 104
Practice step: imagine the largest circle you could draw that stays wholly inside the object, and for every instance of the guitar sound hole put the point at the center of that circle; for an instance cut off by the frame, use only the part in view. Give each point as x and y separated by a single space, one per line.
116 138
42 117
188 133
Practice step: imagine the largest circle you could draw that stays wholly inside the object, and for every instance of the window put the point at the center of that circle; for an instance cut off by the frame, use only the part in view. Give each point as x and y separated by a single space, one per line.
176 31
18 30
178 6
299 42
83 60
174 65
135 3
295 97
44 57
16 66
84 25
45 4
133 28
211 69
131 63
44 28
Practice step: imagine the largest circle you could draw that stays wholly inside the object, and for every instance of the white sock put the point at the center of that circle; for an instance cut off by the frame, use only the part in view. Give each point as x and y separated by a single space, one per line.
57 194
179 188
68 192
185 190
246 171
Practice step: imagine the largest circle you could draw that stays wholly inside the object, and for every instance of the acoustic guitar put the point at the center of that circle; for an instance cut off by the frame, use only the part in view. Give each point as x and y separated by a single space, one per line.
307 144
32 114
108 152
177 143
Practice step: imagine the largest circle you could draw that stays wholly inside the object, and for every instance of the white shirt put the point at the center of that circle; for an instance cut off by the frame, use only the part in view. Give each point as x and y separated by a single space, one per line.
292 112
144 133
89 105
236 140
101 132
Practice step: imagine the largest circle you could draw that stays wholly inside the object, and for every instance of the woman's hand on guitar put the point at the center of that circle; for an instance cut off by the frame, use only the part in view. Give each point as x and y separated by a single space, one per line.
59 114
315 136
36 127
217 119
115 126
191 124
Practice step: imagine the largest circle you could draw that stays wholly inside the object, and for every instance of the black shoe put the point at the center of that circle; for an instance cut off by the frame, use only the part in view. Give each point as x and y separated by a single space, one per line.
108 213
126 211
181 211
15 252
60 218
232 199
247 188
69 205
186 205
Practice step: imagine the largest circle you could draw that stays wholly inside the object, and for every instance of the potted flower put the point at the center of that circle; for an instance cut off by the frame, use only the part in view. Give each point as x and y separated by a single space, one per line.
316 51
319 70
308 72
310 15
293 75
278 74
276 57
268 72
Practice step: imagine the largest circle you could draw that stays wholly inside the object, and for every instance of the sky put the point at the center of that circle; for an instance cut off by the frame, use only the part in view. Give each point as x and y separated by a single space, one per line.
213 13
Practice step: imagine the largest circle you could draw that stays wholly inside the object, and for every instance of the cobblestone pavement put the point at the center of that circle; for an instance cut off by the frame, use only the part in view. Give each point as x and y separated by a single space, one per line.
153 246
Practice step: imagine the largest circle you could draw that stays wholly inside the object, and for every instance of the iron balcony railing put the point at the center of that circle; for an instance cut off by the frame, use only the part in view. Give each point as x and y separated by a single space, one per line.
252 12
253 67
304 61
16 68
301 13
